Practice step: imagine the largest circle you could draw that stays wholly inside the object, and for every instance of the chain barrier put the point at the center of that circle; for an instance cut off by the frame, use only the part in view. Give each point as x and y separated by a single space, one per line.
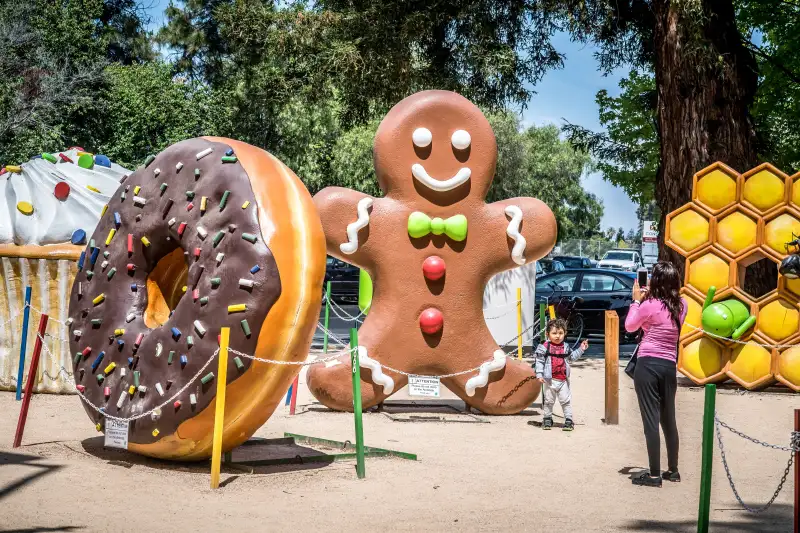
795 446
736 341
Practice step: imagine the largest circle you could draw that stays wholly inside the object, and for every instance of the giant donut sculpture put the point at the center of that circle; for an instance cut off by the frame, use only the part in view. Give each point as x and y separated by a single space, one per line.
210 233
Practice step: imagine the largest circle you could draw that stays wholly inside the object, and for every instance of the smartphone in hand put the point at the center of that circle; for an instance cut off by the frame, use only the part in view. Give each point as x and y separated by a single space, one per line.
641 276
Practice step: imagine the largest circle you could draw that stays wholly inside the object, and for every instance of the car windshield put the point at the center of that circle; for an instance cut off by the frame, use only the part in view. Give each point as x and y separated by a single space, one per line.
618 256
571 262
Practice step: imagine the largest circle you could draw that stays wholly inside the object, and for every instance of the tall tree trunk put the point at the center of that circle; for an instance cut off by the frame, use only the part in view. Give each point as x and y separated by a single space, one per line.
706 81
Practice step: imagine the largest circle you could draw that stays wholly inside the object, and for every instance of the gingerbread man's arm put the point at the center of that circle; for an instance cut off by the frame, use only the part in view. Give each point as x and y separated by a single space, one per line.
346 218
522 230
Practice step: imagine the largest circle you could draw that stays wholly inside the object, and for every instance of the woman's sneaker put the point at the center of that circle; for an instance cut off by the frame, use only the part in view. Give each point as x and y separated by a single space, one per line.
568 425
547 423
646 480
669 475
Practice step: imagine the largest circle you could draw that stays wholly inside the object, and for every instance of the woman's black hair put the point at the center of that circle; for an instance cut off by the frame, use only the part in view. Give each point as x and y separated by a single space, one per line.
665 285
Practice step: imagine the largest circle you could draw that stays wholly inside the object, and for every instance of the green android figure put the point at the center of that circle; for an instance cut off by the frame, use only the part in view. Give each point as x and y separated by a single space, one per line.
728 318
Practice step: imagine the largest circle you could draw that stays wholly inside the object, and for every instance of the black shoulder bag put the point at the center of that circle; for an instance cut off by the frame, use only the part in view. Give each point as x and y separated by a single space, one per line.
630 368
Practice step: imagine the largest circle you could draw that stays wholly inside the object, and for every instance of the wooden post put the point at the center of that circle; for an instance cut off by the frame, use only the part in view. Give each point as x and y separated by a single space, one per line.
23 343
519 323
219 411
26 400
707 458
796 476
612 368
354 361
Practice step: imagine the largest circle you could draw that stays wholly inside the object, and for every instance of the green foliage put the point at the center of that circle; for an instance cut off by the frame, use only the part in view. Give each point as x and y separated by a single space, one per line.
777 107
628 153
537 162
145 110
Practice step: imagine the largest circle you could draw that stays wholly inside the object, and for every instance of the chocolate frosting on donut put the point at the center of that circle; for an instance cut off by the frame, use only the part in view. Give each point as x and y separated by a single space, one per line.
229 229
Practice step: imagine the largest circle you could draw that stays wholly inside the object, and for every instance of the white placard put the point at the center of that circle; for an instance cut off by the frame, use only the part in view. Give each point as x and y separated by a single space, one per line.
423 386
116 434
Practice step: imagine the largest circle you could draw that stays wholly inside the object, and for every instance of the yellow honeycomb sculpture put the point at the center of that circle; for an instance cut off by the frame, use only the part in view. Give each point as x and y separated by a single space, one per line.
733 221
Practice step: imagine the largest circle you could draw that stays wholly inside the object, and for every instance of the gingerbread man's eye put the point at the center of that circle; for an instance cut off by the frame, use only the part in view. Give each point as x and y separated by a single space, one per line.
422 137
461 140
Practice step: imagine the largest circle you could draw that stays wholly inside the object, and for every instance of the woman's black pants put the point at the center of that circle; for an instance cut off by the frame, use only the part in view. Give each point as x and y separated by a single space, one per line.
656 382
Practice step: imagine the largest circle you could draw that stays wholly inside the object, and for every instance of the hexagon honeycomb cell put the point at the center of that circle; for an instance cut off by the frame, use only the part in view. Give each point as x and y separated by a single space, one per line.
706 270
751 365
715 187
688 229
694 311
779 230
764 188
736 231
795 197
791 285
777 319
703 360
787 368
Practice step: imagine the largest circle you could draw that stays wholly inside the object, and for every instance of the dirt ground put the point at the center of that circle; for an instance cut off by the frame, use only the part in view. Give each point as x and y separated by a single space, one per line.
502 474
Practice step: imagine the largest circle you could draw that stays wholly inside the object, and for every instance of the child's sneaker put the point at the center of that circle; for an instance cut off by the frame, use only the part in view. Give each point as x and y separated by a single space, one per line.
547 423
568 425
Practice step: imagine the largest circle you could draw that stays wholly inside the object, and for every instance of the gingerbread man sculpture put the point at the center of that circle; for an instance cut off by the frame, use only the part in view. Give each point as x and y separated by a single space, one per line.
431 245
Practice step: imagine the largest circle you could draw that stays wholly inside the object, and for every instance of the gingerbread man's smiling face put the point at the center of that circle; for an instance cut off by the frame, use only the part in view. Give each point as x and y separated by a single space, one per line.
437 146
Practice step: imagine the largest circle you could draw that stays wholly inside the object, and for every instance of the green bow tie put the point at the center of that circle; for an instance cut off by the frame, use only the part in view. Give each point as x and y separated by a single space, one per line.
420 224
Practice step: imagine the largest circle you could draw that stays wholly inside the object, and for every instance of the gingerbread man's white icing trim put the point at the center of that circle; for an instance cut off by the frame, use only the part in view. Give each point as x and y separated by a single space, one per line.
482 379
378 377
353 228
518 251
424 178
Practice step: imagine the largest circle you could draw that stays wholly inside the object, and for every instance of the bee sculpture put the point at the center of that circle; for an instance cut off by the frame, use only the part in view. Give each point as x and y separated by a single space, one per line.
790 266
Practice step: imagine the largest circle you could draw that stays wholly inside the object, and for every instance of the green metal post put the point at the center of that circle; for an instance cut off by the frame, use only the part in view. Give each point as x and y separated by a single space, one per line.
327 316
707 458
543 319
542 325
357 403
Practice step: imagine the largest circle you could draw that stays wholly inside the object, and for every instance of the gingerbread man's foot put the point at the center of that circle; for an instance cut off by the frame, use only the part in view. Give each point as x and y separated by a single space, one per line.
501 390
332 382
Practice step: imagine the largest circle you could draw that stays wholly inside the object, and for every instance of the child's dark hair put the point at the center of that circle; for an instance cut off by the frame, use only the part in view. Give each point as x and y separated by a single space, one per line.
558 323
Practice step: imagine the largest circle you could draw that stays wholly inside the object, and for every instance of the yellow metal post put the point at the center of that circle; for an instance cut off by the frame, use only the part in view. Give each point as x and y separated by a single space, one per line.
219 413
519 323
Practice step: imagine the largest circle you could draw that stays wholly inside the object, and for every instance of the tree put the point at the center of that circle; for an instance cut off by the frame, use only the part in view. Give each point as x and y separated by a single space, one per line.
628 153
705 79
372 53
145 110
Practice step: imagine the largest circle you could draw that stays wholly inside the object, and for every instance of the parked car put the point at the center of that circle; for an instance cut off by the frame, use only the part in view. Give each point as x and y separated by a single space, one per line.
630 260
588 293
344 280
573 261
546 266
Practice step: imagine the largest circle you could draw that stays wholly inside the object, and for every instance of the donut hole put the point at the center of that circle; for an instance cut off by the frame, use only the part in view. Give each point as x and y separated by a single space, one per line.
165 285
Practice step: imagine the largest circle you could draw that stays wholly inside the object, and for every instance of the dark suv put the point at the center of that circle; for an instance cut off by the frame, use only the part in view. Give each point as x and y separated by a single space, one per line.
344 280
573 261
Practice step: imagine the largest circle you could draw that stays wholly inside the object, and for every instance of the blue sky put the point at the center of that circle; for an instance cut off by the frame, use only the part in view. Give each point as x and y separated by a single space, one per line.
567 93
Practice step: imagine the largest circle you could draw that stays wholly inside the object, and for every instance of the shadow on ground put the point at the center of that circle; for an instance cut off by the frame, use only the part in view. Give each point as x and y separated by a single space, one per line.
779 517
40 470
256 456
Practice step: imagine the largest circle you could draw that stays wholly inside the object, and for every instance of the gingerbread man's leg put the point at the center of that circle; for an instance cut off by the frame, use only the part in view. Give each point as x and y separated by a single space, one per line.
332 383
504 386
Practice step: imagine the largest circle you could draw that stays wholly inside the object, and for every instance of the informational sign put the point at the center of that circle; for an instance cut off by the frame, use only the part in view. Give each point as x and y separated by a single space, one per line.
649 242
116 434
423 386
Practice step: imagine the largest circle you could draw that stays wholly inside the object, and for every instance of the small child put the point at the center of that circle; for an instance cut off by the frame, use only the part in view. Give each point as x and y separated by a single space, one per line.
552 369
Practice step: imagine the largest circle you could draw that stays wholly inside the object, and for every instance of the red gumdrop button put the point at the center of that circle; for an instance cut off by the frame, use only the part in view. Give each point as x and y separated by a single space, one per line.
62 190
433 268
431 321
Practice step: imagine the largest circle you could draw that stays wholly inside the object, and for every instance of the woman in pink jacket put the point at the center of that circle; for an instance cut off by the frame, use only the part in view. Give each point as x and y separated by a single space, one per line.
659 311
